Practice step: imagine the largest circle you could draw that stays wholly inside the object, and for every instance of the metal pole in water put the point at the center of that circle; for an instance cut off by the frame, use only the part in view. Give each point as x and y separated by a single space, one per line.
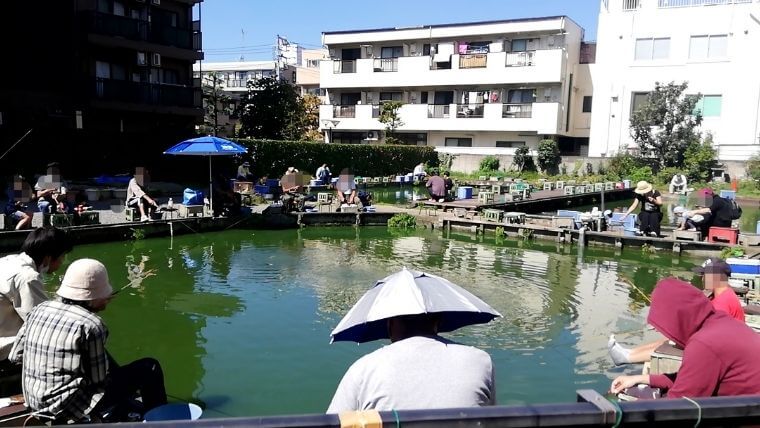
602 207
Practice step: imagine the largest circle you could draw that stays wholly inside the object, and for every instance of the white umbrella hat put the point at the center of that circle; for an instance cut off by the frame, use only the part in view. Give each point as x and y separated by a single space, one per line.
411 292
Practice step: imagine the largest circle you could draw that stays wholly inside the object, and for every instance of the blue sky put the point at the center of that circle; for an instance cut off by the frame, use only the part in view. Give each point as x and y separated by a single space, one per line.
303 21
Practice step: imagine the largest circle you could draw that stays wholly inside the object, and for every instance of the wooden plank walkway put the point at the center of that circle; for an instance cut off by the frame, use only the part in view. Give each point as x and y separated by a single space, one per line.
536 203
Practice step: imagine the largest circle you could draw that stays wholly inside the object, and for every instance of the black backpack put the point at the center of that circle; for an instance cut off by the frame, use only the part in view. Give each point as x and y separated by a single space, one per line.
736 210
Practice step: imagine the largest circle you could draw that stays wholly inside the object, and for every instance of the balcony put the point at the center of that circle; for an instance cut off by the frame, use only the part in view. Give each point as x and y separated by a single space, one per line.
662 4
145 93
520 59
385 64
630 5
541 118
517 111
495 68
135 29
439 111
473 60
344 66
344 111
469 111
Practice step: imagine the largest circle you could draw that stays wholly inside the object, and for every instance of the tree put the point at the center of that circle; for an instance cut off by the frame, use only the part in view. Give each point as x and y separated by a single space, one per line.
310 119
215 101
271 110
666 124
548 156
699 159
523 160
389 115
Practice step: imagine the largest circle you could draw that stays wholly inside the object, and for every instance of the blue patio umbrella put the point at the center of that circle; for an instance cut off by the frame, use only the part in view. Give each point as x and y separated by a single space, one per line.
207 146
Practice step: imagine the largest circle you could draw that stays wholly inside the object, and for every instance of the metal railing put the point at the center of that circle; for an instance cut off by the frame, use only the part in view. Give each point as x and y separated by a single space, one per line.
630 4
344 66
145 93
385 64
135 29
344 111
471 110
517 111
438 111
473 60
663 4
592 409
520 59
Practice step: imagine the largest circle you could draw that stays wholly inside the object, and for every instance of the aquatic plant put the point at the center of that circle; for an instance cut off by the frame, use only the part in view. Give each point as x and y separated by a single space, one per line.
403 221
526 234
499 231
137 234
731 252
648 249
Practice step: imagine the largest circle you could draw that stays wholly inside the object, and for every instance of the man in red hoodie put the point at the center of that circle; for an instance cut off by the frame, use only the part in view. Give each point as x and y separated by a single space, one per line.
720 354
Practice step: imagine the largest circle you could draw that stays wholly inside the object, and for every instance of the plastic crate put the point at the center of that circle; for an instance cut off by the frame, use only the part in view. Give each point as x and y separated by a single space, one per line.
744 266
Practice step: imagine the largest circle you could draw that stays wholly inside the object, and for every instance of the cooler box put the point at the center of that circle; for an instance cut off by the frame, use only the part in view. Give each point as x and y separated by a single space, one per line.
464 192
273 182
628 223
728 194
315 182
627 184
261 189
744 266
757 228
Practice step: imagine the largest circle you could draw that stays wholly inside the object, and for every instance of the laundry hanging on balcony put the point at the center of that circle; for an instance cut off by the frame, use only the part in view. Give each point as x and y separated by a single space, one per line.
444 52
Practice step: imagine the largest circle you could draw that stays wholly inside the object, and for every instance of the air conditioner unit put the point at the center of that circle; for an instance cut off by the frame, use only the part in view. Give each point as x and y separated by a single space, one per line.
155 2
142 59
371 136
156 60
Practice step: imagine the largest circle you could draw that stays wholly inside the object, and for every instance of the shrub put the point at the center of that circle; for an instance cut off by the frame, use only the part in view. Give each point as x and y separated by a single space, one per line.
548 156
642 173
489 163
274 157
523 159
622 165
403 221
666 174
699 159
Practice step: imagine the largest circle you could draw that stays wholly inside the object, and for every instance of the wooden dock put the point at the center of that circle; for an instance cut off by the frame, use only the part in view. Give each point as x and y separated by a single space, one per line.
539 201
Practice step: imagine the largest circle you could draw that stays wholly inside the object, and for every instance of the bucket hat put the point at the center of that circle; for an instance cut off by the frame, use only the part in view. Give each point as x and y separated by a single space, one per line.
643 187
85 280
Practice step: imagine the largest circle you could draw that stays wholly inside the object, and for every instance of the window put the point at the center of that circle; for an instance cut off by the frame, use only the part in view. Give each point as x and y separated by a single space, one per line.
510 144
638 99
652 49
521 96
348 137
169 76
519 45
458 142
426 49
391 52
704 47
587 104
423 97
390 96
312 63
414 139
709 105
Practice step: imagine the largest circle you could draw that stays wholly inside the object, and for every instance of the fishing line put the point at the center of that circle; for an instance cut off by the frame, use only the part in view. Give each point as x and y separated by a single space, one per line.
631 284
16 143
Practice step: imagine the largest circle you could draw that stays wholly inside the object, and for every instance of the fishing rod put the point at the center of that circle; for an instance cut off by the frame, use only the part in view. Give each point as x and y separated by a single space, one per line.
149 272
16 143
625 280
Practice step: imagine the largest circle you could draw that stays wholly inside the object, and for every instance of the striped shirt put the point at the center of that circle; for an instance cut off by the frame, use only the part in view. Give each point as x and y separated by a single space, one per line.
64 360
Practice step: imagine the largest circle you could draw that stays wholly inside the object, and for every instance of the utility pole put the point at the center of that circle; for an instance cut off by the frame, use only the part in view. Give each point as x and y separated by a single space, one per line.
216 110
277 56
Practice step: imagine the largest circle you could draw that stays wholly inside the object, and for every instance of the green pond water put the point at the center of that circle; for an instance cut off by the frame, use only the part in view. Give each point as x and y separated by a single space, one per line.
241 319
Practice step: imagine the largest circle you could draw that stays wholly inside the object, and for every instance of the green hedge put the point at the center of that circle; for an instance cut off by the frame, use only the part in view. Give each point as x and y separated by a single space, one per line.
272 158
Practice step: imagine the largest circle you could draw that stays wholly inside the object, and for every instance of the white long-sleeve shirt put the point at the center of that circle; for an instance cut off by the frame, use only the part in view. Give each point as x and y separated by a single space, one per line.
21 289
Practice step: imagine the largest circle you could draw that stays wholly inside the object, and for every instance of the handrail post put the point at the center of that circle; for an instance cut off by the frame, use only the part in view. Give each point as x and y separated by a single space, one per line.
609 411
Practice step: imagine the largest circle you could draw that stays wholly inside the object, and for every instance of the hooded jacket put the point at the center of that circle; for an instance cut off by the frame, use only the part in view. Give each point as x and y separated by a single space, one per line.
720 353
21 290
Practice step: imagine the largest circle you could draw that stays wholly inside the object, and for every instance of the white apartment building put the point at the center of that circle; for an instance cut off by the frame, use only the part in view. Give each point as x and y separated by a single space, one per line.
471 89
711 44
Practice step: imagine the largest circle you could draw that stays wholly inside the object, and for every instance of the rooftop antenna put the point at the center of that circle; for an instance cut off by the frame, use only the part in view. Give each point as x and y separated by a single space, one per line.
242 43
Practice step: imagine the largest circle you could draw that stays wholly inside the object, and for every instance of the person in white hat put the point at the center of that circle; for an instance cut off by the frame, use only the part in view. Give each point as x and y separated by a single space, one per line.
244 172
67 373
651 211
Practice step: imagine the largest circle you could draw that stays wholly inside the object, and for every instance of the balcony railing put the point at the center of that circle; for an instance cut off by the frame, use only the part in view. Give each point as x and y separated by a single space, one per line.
438 111
520 59
473 60
344 66
135 29
145 93
630 4
690 3
340 111
470 110
517 111
385 64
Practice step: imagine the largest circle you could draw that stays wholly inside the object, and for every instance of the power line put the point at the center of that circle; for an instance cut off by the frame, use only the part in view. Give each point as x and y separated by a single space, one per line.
239 47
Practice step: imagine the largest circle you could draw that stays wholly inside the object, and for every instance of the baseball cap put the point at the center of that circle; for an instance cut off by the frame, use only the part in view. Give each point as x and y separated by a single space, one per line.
714 265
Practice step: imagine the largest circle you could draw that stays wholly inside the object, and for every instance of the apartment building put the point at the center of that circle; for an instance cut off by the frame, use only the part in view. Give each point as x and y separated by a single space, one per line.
109 81
711 44
471 89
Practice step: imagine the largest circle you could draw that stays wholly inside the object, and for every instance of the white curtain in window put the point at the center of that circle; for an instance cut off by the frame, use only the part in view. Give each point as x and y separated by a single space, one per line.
102 70
444 52
643 49
661 48
698 47
718 46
